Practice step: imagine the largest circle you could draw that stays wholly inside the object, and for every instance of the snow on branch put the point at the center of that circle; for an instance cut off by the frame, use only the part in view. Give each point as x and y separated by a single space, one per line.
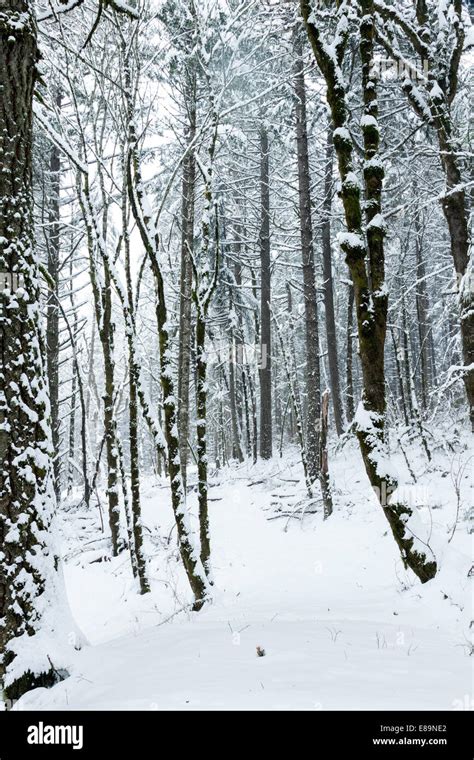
64 6
56 138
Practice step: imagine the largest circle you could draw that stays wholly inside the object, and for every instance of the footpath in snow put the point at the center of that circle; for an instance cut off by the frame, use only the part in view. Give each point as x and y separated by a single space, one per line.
342 624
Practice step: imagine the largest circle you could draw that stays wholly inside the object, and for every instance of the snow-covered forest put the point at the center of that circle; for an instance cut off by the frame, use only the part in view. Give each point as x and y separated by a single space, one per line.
236 354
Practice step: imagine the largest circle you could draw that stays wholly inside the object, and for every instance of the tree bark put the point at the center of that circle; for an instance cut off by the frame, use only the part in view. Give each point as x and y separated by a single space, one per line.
133 404
363 246
52 321
236 357
442 64
29 580
331 333
102 294
205 286
350 356
313 379
186 279
236 445
265 369
150 238
323 458
455 210
427 371
72 412
201 426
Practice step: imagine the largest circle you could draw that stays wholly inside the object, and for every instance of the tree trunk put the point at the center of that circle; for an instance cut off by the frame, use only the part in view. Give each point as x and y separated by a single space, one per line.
323 458
106 332
291 376
350 355
186 281
313 381
454 206
396 354
422 310
29 577
52 322
245 391
253 400
72 413
329 294
134 383
265 370
437 113
202 294
363 246
201 434
102 294
406 362
237 358
236 445
189 554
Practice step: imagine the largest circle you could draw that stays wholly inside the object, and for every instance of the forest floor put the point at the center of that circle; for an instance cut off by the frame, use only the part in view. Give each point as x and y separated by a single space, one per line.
342 624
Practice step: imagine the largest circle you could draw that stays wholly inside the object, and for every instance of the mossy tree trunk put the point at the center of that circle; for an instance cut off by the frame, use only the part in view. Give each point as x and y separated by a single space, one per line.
363 246
204 288
151 242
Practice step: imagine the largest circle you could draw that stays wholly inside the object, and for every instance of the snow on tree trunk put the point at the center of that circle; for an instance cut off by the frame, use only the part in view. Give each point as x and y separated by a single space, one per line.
436 36
204 288
103 312
265 295
350 355
186 280
323 457
366 262
313 380
142 214
36 630
329 310
52 325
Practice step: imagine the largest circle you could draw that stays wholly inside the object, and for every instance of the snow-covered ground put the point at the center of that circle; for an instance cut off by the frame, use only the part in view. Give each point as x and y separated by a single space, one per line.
342 624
